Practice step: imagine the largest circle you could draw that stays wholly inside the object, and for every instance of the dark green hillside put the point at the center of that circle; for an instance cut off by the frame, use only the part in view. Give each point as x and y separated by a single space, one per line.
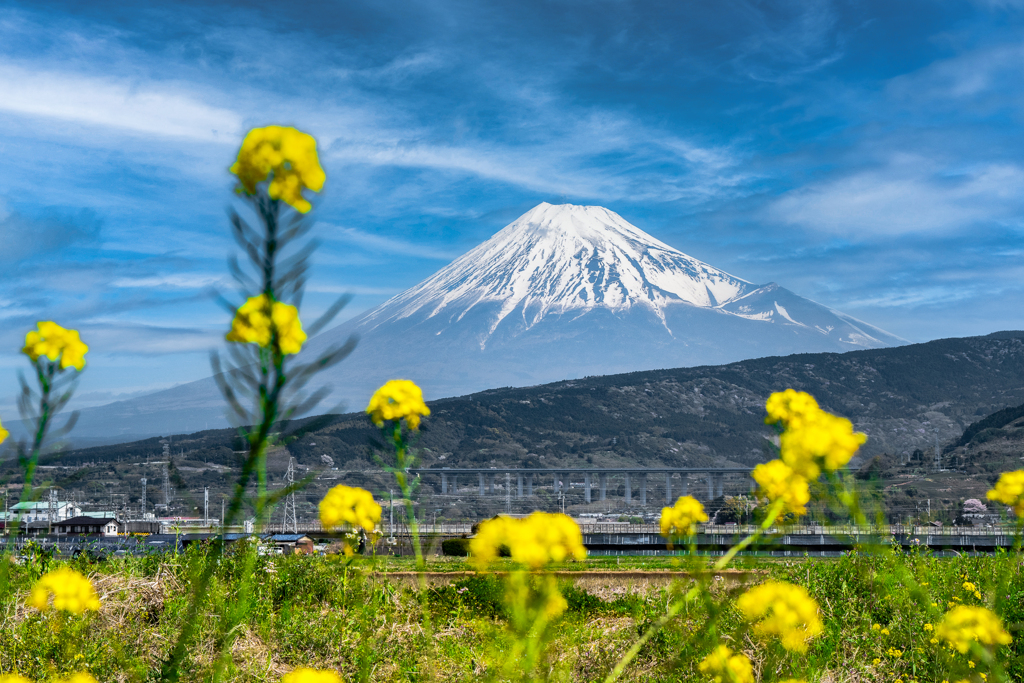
682 417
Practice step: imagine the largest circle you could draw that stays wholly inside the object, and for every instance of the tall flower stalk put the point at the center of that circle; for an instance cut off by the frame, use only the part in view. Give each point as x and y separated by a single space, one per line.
262 384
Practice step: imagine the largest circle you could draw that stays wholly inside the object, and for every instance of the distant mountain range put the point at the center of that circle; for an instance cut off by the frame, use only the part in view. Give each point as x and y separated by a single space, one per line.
563 292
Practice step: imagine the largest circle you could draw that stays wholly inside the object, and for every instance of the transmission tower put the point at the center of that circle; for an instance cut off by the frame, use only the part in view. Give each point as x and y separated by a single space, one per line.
167 487
508 493
290 518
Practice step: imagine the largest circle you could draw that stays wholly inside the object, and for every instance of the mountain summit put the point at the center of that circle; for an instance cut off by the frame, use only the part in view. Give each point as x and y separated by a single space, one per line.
563 292
556 259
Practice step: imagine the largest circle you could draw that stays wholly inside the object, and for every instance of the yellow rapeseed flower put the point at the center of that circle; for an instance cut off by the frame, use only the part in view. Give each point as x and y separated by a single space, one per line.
53 341
306 675
397 399
80 677
784 610
349 505
725 667
777 481
928 627
538 540
3 433
963 625
14 678
257 319
812 438
893 652
1009 490
286 152
682 518
876 661
71 591
885 631
970 587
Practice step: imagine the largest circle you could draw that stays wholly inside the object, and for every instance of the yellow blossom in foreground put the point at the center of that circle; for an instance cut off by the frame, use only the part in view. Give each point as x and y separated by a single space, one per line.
812 438
538 540
257 319
784 610
307 675
71 591
53 341
397 399
725 667
1009 490
80 677
777 481
3 433
682 518
969 587
963 625
286 152
13 678
349 505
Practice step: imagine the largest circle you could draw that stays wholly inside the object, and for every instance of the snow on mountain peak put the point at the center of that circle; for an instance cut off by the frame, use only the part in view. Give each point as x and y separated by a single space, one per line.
560 258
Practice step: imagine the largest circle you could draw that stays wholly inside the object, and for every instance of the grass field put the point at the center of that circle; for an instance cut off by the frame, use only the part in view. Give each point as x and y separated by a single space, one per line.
359 617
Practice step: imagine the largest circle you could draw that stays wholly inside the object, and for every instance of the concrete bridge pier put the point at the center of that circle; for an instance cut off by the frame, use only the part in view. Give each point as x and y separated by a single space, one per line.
719 485
558 483
629 489
482 491
668 488
453 488
519 487
643 490
444 484
603 483
586 486
711 486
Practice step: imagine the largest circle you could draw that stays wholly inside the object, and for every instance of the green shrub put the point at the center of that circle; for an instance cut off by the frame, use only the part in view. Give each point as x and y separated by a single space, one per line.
455 547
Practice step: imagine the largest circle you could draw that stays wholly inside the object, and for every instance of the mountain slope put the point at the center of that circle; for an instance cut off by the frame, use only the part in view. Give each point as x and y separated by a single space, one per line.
562 292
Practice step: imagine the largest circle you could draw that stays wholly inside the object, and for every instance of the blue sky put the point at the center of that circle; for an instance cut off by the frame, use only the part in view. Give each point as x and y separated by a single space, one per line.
867 155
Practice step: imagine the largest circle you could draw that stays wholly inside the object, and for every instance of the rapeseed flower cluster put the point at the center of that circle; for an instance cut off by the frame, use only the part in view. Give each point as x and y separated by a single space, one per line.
784 610
682 518
306 675
349 505
725 667
964 625
538 540
71 591
777 481
13 678
813 439
290 155
3 433
1009 490
80 677
258 319
398 399
53 341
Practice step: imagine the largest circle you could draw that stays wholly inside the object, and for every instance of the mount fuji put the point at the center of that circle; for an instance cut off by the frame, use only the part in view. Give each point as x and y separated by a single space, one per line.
563 292
568 291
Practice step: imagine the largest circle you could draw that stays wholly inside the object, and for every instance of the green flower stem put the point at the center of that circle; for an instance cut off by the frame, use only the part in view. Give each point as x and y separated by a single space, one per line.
693 593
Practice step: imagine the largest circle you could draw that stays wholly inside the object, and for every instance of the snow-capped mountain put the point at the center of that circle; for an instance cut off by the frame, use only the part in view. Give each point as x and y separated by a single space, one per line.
556 259
567 291
562 292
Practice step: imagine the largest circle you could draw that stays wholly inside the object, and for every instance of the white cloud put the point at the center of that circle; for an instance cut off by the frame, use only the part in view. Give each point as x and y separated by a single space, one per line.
383 245
175 281
912 194
154 109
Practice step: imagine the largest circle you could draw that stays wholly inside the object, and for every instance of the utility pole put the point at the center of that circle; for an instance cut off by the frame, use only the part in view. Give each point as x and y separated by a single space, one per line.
222 514
143 480
289 501
206 506
938 457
